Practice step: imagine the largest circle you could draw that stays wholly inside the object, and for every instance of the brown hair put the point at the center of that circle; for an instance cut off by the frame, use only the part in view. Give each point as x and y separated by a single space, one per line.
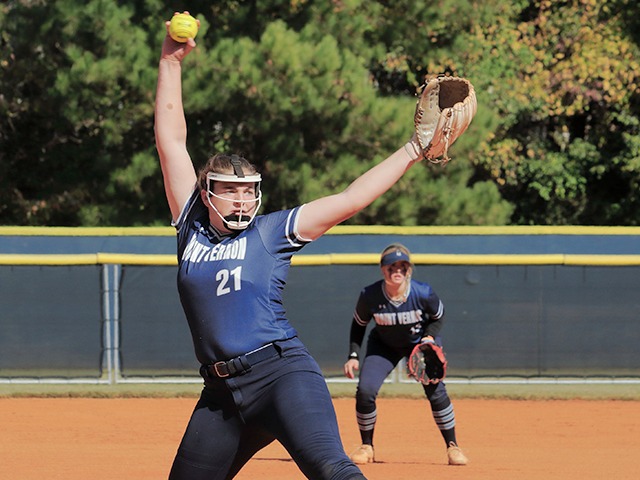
221 163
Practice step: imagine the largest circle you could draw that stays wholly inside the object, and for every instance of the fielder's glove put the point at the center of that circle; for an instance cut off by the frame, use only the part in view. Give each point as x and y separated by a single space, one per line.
427 363
443 112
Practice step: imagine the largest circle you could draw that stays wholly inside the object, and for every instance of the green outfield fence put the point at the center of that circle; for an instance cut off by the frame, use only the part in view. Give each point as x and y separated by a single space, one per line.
559 305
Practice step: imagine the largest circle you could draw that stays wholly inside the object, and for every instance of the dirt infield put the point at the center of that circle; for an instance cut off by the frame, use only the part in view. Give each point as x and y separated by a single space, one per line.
135 439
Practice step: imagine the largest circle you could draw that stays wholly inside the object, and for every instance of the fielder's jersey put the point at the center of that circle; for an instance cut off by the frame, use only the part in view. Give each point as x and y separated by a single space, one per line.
231 286
400 324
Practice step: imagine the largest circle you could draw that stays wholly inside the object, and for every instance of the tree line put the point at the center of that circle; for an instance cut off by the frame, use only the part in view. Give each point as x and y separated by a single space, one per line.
316 92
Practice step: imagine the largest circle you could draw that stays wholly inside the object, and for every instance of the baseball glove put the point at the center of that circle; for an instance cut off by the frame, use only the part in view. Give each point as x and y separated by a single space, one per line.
444 110
427 363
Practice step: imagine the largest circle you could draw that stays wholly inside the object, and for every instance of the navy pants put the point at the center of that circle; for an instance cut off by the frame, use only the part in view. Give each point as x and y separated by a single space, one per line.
378 363
283 398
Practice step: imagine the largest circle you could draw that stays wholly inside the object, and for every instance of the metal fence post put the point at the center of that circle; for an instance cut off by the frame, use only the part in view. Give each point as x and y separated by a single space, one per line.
111 318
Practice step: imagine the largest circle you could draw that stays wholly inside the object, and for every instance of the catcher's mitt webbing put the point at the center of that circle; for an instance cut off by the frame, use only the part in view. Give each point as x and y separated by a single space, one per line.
427 363
444 110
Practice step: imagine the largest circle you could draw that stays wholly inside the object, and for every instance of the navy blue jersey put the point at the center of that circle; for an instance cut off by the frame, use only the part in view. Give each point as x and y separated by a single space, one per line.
231 286
400 324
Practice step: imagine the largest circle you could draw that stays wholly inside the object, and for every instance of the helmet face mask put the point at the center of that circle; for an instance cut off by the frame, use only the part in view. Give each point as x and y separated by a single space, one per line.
241 219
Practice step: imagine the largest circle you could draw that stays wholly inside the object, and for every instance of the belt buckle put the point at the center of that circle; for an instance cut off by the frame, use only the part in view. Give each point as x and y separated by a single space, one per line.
215 369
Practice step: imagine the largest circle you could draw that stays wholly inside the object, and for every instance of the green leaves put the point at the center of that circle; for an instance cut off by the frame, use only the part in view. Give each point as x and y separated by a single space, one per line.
314 93
563 75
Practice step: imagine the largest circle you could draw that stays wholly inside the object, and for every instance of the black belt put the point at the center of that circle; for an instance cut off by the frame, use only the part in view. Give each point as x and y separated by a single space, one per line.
242 364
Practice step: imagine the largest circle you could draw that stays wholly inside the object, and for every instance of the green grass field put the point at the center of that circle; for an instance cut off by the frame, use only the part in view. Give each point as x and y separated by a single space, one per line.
600 391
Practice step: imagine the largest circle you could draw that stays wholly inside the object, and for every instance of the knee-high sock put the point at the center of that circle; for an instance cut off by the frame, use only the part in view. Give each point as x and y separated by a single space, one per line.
366 424
446 421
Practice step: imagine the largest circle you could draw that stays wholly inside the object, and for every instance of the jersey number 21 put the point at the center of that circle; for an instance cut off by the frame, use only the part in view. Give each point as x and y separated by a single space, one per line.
223 277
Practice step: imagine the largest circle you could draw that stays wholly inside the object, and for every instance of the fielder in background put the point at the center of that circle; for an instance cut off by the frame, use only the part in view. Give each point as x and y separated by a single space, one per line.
406 312
260 382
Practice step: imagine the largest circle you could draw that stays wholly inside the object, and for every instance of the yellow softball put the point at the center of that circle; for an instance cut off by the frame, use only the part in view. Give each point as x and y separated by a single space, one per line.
183 27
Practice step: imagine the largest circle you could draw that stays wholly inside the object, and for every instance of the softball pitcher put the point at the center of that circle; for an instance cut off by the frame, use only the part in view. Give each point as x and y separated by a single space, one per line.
405 313
260 382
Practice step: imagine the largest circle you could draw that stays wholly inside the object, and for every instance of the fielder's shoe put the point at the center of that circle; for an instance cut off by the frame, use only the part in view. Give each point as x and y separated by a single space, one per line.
456 457
362 455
